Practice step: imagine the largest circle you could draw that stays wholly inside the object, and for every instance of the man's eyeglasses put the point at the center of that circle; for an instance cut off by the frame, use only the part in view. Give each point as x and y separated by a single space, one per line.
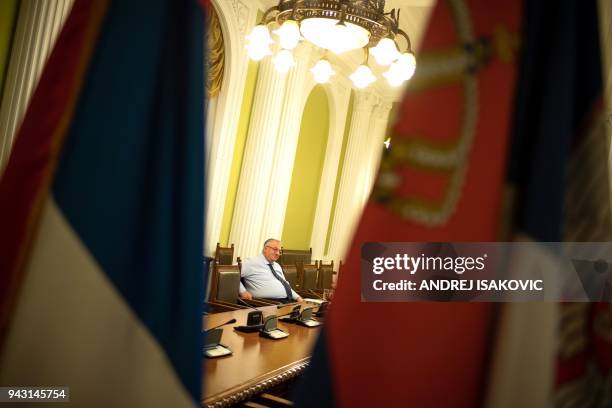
280 251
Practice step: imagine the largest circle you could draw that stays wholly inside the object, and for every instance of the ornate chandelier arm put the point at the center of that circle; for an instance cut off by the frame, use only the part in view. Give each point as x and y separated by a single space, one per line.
366 54
408 43
264 19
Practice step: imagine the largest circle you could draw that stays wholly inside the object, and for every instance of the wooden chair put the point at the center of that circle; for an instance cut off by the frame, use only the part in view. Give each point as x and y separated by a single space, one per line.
294 256
326 275
224 255
225 285
307 282
291 274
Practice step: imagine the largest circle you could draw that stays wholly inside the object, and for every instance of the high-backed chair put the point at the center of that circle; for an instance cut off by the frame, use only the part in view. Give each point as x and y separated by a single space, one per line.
326 275
308 279
224 255
295 256
291 274
225 283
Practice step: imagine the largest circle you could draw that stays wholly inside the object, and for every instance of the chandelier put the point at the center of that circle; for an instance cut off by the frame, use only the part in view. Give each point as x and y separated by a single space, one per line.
337 26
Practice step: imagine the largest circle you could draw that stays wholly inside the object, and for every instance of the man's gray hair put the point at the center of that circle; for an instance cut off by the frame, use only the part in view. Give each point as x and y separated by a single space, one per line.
267 241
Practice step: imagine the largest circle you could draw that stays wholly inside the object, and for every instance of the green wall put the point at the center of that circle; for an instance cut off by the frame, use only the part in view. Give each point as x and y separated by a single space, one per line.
8 17
347 126
241 136
307 170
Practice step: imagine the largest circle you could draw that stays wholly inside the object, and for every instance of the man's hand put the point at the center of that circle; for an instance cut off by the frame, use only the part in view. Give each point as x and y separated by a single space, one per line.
299 299
246 295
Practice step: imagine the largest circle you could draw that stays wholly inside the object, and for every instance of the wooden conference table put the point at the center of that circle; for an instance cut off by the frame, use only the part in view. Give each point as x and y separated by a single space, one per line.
257 363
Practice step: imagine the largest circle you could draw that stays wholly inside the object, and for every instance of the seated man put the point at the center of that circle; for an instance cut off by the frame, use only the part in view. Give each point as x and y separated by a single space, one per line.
264 278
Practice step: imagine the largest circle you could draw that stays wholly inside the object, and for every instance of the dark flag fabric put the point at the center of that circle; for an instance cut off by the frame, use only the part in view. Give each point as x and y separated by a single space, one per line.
102 211
441 180
560 180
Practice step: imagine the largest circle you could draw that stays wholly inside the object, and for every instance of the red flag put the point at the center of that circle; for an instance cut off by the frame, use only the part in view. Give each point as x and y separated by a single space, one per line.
441 180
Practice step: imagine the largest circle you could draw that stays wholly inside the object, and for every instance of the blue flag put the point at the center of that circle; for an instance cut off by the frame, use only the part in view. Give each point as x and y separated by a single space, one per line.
107 180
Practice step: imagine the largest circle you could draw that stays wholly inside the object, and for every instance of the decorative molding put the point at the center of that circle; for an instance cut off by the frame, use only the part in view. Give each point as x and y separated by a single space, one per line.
241 11
216 55
381 111
258 388
365 101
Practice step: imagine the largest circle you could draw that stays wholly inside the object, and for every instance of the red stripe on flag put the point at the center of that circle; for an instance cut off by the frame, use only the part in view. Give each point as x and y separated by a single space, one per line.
29 172
431 354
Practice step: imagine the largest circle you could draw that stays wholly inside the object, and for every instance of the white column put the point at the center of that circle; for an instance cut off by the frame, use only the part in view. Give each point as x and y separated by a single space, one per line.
286 144
256 171
374 149
236 19
340 92
349 199
38 25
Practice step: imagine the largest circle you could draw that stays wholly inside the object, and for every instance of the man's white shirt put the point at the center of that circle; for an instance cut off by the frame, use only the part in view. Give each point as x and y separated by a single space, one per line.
259 280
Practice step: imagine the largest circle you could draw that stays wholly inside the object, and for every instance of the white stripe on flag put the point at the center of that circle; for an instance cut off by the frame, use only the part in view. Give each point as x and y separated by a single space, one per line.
72 328
523 363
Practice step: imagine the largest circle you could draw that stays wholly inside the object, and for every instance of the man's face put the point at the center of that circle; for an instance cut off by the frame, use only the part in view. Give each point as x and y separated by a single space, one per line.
272 251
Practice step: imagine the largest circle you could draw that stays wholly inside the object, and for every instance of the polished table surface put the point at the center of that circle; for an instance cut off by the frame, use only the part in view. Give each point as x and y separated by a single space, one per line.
257 363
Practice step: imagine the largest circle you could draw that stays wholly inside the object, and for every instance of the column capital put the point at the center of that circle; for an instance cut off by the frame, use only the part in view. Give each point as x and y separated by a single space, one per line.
381 110
365 100
305 51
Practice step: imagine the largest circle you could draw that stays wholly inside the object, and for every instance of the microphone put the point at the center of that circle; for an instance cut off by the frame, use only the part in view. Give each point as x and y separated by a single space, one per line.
295 312
216 327
254 318
246 304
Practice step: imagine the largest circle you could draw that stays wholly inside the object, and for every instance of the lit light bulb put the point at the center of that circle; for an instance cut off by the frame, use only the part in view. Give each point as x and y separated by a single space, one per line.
283 61
288 34
385 52
258 42
395 76
407 63
339 37
322 71
344 37
362 77
394 80
401 70
258 53
334 36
